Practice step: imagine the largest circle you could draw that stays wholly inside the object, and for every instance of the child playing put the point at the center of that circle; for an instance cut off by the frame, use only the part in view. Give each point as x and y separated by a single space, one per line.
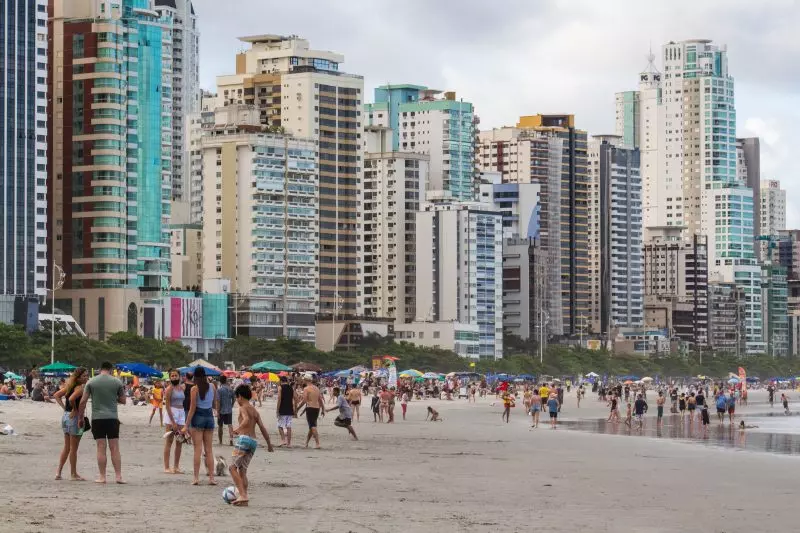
434 414
245 445
629 415
404 404
376 406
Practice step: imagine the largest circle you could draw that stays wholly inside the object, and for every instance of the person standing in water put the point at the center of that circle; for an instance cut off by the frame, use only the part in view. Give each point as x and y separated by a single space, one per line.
660 401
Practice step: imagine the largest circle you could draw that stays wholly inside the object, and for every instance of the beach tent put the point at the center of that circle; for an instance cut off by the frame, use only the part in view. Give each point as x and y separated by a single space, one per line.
140 369
204 364
57 369
271 366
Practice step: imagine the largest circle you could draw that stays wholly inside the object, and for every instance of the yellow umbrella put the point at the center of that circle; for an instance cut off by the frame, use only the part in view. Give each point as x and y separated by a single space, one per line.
273 378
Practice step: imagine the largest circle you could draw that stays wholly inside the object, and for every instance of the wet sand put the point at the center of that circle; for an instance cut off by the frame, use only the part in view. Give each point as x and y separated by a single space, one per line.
469 473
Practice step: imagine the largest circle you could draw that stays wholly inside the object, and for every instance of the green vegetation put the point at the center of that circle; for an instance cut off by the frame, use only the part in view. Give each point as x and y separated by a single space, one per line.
19 351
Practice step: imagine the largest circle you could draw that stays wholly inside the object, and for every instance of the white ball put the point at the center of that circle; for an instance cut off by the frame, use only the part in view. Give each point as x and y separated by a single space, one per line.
229 494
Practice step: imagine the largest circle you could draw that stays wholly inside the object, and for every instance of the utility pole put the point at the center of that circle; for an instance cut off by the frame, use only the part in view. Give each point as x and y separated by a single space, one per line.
55 286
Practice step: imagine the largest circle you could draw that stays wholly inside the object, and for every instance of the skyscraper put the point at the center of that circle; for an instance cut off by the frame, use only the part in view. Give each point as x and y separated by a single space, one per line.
260 223
694 180
23 144
302 92
437 124
110 164
182 52
460 270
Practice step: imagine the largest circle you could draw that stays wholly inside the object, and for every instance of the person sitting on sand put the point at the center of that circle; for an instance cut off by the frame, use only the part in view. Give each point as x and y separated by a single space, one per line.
433 414
9 390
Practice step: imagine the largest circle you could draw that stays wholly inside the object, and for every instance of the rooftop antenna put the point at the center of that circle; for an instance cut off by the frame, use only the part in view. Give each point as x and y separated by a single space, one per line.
651 60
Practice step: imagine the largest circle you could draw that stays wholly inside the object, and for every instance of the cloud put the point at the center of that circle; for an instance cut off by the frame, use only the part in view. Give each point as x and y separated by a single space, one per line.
517 57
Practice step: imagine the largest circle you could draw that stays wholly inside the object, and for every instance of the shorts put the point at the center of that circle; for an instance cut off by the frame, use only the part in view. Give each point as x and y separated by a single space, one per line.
553 414
156 403
178 415
355 402
285 421
638 418
69 425
225 419
105 428
731 410
536 408
720 410
243 450
312 414
342 422
203 419
660 411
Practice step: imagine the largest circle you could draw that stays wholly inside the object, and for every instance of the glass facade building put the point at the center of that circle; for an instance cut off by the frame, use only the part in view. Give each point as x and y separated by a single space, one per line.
23 145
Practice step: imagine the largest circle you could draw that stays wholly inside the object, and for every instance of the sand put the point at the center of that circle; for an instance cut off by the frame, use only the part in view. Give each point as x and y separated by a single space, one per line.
468 473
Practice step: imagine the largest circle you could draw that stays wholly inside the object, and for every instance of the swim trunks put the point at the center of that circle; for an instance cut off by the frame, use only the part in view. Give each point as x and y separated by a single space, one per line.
312 414
243 450
285 421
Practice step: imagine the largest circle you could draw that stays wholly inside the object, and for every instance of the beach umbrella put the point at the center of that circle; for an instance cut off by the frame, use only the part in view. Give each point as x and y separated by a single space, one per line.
273 378
204 364
58 367
140 369
430 375
411 372
733 381
271 366
628 382
592 375
306 367
646 379
229 373
209 371
15 377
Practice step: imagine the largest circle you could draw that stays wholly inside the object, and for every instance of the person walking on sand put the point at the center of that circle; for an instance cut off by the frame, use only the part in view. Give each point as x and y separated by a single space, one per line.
200 419
176 418
312 400
640 408
552 406
106 393
285 411
157 401
785 402
613 415
404 403
345 418
72 392
246 443
660 401
225 417
376 406
731 407
722 405
536 407
508 403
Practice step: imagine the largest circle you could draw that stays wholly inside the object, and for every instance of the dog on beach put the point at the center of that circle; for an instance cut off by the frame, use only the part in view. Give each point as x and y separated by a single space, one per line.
220 466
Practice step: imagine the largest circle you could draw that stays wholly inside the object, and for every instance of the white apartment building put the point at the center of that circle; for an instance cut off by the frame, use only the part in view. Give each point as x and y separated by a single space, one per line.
394 187
182 52
302 92
460 270
196 124
260 226
773 207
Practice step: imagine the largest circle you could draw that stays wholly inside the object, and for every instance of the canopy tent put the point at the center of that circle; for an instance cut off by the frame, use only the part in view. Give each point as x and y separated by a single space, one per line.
209 371
57 369
592 375
306 367
140 369
270 366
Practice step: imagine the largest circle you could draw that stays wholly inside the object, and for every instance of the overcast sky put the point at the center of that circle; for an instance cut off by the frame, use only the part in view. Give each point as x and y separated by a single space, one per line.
520 57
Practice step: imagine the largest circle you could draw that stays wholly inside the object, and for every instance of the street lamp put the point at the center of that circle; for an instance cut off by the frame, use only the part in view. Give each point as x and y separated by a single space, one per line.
56 285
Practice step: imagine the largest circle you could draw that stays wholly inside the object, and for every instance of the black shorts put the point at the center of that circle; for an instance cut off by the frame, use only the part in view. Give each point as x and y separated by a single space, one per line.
342 422
312 414
105 428
553 414
225 419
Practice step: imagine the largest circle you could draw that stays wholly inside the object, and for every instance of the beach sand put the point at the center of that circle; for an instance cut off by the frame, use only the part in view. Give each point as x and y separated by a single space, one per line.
469 473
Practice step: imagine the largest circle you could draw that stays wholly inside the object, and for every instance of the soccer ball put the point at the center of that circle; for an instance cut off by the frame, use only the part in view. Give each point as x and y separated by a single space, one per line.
229 494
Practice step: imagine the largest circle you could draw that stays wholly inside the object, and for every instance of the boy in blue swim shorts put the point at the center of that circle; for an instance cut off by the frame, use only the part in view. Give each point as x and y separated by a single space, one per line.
245 445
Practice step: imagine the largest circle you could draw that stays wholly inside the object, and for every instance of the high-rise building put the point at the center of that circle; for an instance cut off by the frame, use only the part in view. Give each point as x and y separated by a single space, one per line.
775 294
460 270
394 187
695 180
519 205
110 164
302 92
628 120
772 212
433 123
726 322
182 53
23 145
615 235
196 124
260 223
676 280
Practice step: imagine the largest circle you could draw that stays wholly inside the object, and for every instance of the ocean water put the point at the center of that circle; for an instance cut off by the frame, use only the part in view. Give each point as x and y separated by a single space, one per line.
776 432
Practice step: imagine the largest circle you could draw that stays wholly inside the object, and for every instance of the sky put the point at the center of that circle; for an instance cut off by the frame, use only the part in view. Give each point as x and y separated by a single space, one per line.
522 57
